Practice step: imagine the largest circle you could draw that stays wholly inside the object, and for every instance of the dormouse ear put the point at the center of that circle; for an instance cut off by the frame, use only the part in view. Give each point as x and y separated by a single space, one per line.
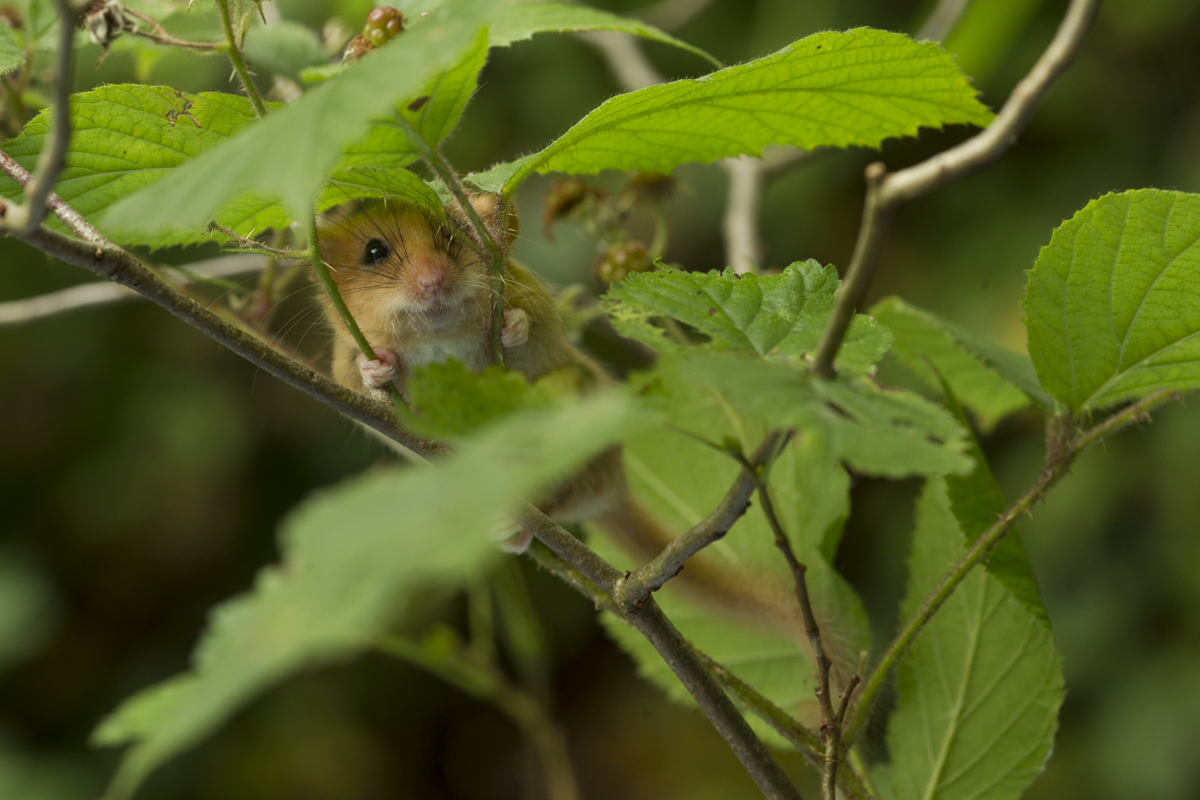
487 206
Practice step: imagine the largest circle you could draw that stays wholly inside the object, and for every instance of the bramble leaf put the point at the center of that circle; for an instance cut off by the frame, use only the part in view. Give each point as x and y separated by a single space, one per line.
775 315
520 21
289 154
955 354
980 688
126 137
830 89
353 558
876 431
12 55
1113 302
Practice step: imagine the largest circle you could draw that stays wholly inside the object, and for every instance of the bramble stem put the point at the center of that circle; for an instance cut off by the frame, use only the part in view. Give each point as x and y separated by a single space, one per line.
484 237
233 51
887 192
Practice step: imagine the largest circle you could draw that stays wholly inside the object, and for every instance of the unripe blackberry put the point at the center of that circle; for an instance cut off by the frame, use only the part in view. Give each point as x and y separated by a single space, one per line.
619 260
562 198
383 23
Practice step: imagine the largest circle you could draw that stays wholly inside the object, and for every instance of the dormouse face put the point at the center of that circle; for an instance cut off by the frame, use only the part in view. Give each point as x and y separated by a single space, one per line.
395 265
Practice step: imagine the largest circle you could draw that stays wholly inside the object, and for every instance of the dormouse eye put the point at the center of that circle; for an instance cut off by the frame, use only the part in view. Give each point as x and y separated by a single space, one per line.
375 251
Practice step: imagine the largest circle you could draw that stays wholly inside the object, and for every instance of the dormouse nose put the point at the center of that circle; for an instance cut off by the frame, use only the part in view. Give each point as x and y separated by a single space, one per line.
429 278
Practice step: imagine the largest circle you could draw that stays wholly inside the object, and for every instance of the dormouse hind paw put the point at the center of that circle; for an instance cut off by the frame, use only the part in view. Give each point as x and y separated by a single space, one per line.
379 372
516 328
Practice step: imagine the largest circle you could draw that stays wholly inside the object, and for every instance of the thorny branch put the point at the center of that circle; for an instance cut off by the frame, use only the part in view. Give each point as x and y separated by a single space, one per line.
633 589
232 48
831 721
1062 449
159 35
26 217
887 192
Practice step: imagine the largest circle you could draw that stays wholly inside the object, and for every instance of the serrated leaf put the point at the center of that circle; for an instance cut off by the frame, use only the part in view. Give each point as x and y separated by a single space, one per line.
680 480
875 431
126 137
980 688
12 55
1113 302
353 558
830 89
362 182
286 48
977 502
768 315
520 21
921 335
289 154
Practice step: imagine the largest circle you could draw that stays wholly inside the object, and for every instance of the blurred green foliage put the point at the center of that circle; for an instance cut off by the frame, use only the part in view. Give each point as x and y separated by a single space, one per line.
143 469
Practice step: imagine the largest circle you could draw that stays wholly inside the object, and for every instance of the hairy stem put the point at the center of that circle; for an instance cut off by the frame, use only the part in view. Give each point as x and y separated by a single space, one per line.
484 237
1059 460
887 192
233 51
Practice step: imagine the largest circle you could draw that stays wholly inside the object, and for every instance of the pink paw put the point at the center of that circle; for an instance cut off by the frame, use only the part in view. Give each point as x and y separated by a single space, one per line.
516 328
379 372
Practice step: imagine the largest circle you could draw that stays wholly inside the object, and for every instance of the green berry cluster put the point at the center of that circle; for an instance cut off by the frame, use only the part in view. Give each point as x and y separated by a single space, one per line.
619 260
383 23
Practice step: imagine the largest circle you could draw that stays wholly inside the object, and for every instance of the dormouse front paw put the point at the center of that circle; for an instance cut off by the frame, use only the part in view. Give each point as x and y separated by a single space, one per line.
516 328
379 372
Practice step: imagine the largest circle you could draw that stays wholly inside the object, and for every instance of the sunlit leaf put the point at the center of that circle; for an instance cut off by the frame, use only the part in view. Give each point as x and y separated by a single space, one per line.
520 21
1113 302
353 558
830 89
980 688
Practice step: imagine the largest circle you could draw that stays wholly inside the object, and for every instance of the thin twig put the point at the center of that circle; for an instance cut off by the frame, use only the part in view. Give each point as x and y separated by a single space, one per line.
69 217
240 242
232 48
670 15
942 19
633 589
484 237
831 721
159 35
886 192
102 293
25 218
1058 461
329 285
649 620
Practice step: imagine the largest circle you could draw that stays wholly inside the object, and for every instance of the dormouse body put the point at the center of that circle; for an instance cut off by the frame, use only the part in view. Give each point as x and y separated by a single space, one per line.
421 294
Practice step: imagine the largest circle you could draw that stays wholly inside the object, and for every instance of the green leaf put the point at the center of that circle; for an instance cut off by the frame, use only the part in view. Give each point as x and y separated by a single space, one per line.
494 179
285 48
450 400
827 90
353 558
977 503
12 55
980 688
289 154
921 335
876 431
750 623
1112 303
775 315
520 21
126 137
359 182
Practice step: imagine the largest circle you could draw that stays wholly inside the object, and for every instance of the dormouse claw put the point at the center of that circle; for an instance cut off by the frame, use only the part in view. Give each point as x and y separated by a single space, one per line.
380 371
516 328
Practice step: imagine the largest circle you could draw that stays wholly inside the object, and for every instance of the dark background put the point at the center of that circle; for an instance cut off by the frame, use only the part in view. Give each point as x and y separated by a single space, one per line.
143 469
